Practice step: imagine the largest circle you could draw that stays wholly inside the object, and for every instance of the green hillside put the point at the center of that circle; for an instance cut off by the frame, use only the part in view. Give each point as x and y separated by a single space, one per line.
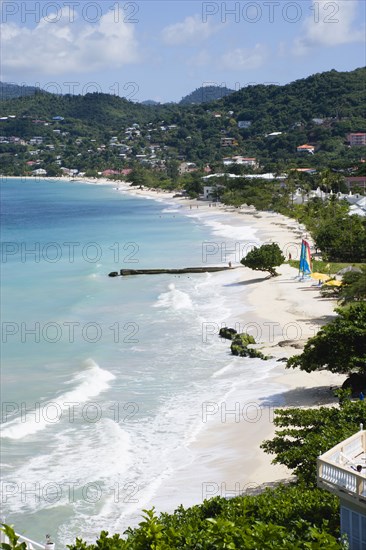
205 94
321 110
11 91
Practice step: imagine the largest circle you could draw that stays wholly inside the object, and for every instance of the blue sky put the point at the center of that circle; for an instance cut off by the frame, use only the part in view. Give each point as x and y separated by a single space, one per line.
162 50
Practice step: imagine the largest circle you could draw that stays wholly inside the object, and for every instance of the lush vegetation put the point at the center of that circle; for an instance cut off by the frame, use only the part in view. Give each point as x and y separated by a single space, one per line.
92 136
339 346
339 236
353 287
304 434
11 91
328 268
13 539
294 517
205 94
193 132
264 258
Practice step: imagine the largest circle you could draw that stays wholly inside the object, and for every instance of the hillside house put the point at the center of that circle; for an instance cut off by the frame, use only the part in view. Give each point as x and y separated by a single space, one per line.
318 121
306 149
36 140
244 124
274 134
186 167
228 142
357 139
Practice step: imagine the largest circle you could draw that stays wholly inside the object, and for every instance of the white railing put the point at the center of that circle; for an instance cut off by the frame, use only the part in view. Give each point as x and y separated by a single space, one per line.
337 467
31 544
342 479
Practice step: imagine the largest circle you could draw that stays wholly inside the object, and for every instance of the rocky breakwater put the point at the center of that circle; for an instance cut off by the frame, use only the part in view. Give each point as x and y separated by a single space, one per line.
240 343
205 269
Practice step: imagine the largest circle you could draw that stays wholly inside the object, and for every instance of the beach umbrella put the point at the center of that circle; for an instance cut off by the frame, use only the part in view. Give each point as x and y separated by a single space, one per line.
333 283
320 276
348 269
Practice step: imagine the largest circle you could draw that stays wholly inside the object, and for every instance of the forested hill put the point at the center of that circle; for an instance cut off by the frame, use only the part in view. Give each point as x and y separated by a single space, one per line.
205 94
321 109
10 91
330 94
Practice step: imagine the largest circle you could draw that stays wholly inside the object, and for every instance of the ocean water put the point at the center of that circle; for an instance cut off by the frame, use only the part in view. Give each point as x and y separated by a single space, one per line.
103 379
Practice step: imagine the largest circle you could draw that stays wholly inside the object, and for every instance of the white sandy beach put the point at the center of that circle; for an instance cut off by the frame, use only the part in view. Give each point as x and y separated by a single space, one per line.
284 309
226 456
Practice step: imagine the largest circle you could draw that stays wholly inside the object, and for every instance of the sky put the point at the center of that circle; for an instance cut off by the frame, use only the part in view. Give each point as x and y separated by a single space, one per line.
163 50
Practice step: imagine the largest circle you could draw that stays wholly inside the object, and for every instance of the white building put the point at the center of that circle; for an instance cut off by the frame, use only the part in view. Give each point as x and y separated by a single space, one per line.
268 176
342 471
210 192
243 161
39 172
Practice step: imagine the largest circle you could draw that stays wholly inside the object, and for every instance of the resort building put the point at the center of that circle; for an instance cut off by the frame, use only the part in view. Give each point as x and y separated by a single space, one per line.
211 192
356 182
245 161
342 471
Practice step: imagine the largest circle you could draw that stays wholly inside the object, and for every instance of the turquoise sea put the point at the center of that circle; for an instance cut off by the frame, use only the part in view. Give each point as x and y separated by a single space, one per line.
103 379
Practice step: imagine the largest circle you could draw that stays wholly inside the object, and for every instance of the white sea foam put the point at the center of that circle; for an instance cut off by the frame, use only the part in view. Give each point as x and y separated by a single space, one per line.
222 371
170 386
97 454
92 380
174 300
170 210
216 222
239 233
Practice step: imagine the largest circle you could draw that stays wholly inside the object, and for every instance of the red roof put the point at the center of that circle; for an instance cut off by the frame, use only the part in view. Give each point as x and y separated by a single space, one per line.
110 172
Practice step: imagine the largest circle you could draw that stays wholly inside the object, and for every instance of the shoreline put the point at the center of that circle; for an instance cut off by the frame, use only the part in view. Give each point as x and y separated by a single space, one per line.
282 309
289 310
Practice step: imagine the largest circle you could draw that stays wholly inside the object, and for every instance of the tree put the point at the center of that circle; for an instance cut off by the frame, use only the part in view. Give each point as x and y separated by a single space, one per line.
354 286
287 518
264 258
193 184
339 346
341 237
305 434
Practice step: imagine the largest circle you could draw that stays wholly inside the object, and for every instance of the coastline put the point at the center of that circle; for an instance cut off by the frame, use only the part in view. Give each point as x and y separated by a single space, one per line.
228 453
286 310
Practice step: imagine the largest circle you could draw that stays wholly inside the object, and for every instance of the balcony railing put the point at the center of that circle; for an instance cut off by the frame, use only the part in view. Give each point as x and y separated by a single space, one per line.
31 544
337 468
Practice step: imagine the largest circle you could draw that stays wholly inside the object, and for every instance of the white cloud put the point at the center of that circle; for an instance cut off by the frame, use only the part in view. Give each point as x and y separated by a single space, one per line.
69 45
331 24
192 29
200 59
244 58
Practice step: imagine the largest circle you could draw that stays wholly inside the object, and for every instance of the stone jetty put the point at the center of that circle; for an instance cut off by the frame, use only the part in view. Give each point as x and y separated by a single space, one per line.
206 269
